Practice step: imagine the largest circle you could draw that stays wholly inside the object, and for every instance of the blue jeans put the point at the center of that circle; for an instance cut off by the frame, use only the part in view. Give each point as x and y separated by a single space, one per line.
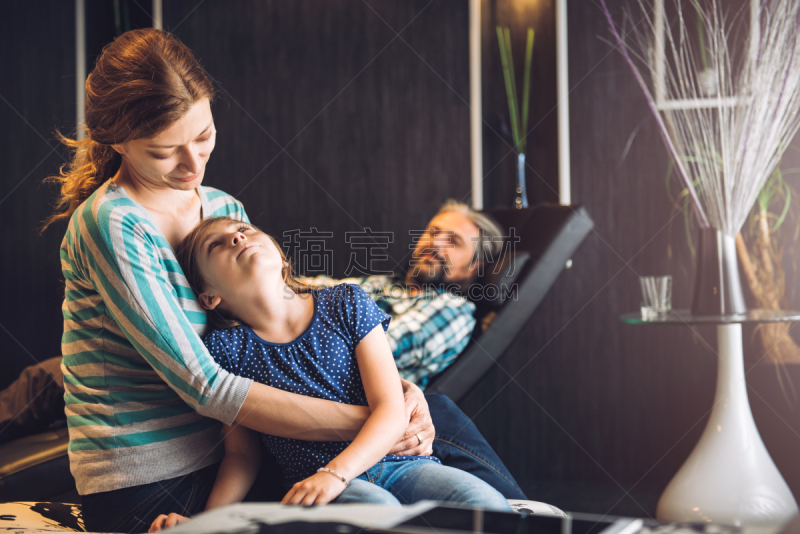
134 509
410 481
459 444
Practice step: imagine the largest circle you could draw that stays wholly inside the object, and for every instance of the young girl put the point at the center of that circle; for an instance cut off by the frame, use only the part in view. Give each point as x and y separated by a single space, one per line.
326 343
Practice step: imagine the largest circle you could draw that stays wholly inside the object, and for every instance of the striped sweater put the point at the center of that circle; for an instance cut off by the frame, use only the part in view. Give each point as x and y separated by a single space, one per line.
143 395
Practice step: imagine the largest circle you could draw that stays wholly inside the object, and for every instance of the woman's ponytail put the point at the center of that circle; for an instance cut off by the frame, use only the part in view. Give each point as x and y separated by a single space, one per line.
92 164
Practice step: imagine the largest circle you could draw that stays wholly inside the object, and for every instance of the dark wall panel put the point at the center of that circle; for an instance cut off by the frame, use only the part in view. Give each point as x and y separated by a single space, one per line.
328 118
37 96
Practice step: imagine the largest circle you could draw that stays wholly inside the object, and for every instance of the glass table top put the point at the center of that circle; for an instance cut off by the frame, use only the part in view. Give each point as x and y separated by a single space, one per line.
685 317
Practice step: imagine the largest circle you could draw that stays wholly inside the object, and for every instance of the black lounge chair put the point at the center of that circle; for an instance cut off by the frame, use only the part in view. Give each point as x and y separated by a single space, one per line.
549 234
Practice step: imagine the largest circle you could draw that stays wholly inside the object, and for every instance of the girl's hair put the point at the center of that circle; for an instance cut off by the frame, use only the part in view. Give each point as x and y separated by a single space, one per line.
142 83
187 258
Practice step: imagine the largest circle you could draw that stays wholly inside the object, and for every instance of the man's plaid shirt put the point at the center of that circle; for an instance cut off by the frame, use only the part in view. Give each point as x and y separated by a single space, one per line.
429 328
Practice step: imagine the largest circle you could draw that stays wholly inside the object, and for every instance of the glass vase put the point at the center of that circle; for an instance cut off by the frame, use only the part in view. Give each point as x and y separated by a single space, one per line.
521 200
717 286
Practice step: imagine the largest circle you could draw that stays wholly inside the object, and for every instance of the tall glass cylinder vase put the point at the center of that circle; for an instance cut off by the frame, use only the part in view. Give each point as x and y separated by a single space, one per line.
717 287
521 200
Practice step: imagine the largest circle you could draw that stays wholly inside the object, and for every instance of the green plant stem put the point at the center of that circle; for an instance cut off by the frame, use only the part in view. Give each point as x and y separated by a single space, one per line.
526 89
117 18
512 76
508 77
786 206
701 35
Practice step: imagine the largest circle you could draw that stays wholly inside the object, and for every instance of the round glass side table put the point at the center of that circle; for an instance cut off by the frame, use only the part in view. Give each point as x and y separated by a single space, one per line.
729 477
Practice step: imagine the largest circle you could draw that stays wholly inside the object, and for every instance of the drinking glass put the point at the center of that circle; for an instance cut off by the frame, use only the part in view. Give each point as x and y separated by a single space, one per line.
656 296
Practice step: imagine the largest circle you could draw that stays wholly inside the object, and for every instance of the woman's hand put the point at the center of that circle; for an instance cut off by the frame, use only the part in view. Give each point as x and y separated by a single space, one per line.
166 521
320 488
417 440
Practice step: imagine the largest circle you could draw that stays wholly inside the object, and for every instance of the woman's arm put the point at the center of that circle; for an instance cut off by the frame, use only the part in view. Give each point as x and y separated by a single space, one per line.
288 415
150 309
384 427
417 440
124 266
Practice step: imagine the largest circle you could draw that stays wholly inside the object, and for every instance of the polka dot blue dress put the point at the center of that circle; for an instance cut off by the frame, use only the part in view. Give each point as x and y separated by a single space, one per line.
319 363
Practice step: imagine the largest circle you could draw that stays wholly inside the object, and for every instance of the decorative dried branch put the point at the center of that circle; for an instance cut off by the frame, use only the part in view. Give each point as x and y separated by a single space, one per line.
730 144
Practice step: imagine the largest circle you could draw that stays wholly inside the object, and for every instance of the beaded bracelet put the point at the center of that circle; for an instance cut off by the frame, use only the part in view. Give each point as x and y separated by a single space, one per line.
334 473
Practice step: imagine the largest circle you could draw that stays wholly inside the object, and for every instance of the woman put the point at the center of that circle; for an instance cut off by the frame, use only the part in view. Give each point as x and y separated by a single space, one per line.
143 396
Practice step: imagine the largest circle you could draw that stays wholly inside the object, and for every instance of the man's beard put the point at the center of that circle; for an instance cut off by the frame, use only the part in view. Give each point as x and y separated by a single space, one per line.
431 276
428 272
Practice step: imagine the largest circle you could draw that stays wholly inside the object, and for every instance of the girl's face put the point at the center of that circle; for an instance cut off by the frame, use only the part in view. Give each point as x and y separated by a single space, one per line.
231 255
176 158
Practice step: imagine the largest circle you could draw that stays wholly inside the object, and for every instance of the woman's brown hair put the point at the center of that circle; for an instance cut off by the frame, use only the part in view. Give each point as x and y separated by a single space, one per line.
187 258
143 82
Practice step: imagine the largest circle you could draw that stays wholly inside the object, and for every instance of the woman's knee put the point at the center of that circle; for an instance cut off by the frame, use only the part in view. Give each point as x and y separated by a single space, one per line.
361 491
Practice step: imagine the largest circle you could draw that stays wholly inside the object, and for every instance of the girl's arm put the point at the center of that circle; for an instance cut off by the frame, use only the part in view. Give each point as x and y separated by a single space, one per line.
383 428
238 469
235 477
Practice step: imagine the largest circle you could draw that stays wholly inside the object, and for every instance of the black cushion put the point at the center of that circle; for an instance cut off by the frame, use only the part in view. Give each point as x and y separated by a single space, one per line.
36 467
499 281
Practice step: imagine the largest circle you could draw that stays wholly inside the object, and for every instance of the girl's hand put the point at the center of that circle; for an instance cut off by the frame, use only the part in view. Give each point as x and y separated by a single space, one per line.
417 440
320 488
166 521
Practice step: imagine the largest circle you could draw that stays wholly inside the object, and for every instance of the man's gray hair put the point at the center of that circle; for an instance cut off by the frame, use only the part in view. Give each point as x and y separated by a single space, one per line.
491 233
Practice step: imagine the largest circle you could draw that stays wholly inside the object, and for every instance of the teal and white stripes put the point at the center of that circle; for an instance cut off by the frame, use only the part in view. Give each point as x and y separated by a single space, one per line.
142 393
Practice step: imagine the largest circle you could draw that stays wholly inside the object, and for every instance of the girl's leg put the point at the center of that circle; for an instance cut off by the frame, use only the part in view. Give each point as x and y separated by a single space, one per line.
134 509
417 480
364 492
459 444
